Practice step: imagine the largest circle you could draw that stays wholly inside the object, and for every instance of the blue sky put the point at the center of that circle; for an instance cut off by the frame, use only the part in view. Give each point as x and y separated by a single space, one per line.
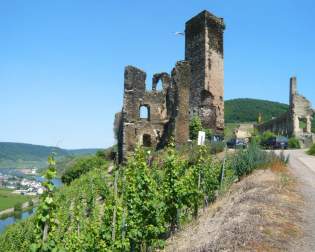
62 62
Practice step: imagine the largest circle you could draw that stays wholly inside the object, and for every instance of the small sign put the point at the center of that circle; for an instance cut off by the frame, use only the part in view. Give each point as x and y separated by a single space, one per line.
201 137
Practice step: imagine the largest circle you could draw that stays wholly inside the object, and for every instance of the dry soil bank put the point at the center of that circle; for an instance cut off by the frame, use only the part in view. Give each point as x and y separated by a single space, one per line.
263 212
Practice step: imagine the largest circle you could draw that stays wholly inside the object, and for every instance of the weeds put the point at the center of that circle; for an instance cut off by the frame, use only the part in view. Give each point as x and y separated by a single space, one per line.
284 180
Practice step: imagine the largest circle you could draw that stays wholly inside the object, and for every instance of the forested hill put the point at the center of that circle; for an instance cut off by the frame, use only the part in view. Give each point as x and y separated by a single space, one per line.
247 110
21 155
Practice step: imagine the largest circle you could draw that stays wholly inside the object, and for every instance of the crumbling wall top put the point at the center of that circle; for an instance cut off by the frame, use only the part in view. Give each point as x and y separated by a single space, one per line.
197 23
134 79
299 105
164 78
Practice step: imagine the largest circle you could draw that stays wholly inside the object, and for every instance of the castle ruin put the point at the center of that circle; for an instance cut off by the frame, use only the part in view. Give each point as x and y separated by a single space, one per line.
296 122
194 88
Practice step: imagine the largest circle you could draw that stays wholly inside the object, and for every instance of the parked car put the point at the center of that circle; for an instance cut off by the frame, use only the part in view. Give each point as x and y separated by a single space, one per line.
279 142
236 143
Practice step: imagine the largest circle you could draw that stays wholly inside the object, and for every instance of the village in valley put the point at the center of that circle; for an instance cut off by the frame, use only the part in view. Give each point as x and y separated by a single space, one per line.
19 183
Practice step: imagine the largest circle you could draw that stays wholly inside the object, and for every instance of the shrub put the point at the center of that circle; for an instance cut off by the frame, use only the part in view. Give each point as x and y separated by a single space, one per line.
30 203
101 154
108 154
265 137
18 207
311 151
194 127
294 143
82 166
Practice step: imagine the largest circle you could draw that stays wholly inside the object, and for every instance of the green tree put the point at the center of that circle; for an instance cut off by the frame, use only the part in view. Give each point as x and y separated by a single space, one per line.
294 143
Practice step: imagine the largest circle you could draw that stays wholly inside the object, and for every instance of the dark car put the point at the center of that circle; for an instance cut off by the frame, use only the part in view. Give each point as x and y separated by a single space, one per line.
279 142
236 143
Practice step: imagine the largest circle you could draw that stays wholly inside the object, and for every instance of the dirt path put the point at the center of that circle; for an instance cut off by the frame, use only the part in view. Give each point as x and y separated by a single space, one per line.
302 167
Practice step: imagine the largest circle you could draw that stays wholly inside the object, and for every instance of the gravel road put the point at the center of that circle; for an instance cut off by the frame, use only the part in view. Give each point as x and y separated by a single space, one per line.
303 168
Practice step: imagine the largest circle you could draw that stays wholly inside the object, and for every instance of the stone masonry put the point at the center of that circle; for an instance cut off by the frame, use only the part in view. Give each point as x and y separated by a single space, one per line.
204 49
167 110
288 124
195 87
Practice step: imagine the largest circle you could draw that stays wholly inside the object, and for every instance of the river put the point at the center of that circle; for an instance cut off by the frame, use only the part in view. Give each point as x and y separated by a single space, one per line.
12 219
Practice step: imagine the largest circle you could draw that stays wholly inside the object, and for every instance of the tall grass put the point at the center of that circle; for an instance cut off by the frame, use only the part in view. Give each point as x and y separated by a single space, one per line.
245 161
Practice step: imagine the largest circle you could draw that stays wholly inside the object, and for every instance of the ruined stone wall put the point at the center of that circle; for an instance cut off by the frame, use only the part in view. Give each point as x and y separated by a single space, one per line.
280 125
288 124
300 108
167 112
204 50
195 87
181 78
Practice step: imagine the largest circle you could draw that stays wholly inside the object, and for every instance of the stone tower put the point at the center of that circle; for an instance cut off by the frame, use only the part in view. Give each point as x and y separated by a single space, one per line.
204 51
300 110
293 90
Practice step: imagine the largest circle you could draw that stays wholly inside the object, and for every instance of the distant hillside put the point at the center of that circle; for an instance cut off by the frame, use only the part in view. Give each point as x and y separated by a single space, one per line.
247 110
80 152
21 155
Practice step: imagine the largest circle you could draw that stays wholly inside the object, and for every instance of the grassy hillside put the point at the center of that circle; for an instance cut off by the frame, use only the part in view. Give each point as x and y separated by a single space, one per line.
21 155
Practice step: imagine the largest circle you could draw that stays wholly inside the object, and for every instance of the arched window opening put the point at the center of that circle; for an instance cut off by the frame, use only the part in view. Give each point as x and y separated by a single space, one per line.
302 124
144 112
159 85
146 140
